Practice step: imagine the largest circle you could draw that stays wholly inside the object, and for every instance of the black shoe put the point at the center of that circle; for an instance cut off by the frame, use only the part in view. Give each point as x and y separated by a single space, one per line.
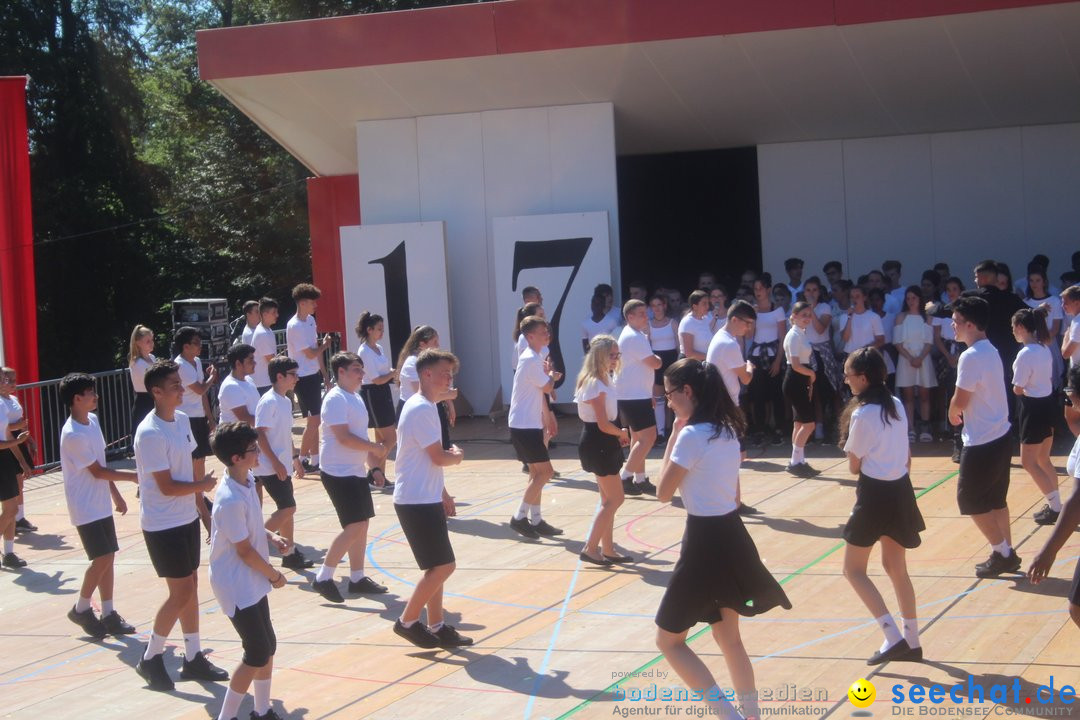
328 589
745 509
586 557
1046 516
802 470
296 561
270 715
116 625
647 487
199 668
154 673
956 455
450 638
12 560
366 585
88 622
525 468
24 525
777 439
629 487
386 486
542 528
900 651
555 475
998 564
308 466
418 634
524 528
619 559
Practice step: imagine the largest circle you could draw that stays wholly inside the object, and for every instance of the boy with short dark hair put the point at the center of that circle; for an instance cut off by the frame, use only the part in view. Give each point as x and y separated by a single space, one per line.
90 493
251 321
237 398
24 454
794 269
10 490
305 347
265 343
240 571
195 403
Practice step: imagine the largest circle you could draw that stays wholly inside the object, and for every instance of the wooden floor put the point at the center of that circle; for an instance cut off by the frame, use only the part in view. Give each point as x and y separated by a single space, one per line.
551 634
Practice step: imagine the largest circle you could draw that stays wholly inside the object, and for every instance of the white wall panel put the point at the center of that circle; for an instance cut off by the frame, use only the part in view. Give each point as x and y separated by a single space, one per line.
389 180
1052 192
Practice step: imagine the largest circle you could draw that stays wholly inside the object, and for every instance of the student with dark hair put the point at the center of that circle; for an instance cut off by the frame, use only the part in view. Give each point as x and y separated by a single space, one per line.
196 402
530 294
237 398
1038 293
252 319
949 349
240 572
767 353
829 372
799 387
695 328
873 430
171 503
664 339
833 272
278 460
637 290
634 387
25 452
611 313
345 450
379 373
1033 384
781 295
1002 305
422 503
896 289
706 281
90 491
305 347
265 344
979 404
913 337
598 322
719 574
10 491
794 269
1070 343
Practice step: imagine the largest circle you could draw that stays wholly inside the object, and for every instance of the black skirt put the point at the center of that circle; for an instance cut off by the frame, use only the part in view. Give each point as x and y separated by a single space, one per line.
599 452
884 508
1037 418
718 567
143 406
380 405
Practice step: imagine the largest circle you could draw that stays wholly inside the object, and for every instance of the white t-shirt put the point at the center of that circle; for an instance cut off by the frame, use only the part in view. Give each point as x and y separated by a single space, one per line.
302 335
812 335
606 326
265 343
795 289
248 334
1072 466
237 516
192 405
526 397
1054 302
1074 337
948 332
15 409
712 467
376 362
590 390
1033 370
88 499
274 412
980 372
138 373
699 329
796 345
765 329
419 481
5 420
164 446
663 337
233 393
520 346
865 326
726 354
342 408
408 378
882 447
635 381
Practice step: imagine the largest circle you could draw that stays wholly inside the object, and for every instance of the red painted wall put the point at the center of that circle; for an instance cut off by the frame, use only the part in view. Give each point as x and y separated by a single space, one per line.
333 201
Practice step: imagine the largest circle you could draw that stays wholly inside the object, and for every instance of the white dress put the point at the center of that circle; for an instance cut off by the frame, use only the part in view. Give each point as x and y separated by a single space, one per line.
914 334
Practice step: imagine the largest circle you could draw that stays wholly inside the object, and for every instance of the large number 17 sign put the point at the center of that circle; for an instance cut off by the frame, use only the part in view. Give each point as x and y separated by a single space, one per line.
566 252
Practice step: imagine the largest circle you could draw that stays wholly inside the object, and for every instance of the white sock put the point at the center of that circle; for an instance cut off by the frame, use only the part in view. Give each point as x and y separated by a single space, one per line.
192 646
534 515
798 454
315 458
408 624
20 514
892 633
436 627
911 631
231 705
262 696
660 412
9 546
1053 499
106 607
155 646
522 511
1003 548
625 473
325 573
82 604
356 575
639 477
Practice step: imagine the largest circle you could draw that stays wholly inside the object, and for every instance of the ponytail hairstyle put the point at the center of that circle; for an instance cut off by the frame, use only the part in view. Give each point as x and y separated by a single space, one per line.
526 310
712 402
592 368
868 361
420 334
137 334
364 325
696 297
1034 321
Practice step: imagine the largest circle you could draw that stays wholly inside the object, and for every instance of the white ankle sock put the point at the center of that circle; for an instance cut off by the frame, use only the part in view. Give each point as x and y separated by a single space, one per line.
82 604
19 515
408 624
192 645
356 575
1053 499
911 631
262 696
106 607
231 705
9 547
522 511
659 411
892 633
436 627
314 458
325 573
639 477
798 454
1003 548
534 514
155 646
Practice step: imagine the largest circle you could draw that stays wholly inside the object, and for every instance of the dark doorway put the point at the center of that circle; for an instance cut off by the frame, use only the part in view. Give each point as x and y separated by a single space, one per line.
684 213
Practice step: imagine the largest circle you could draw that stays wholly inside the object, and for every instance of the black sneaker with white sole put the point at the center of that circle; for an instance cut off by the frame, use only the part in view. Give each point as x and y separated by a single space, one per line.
542 528
366 585
24 525
296 561
647 487
199 668
89 622
417 634
11 560
116 625
328 589
629 487
1046 516
523 527
449 637
154 673
998 564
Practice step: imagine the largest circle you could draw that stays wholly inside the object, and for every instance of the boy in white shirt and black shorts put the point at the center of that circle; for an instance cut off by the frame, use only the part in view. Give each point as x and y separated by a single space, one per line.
265 343
305 348
422 503
196 403
634 388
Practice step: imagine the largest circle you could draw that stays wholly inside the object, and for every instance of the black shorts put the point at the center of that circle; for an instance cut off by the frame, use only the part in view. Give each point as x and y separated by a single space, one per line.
24 450
9 475
174 552
667 359
1037 418
637 415
280 492
98 537
984 476
350 496
797 392
200 430
884 508
380 405
599 452
308 392
529 445
425 529
256 633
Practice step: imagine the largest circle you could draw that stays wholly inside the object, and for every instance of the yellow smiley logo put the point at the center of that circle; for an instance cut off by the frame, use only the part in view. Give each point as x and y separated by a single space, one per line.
861 693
